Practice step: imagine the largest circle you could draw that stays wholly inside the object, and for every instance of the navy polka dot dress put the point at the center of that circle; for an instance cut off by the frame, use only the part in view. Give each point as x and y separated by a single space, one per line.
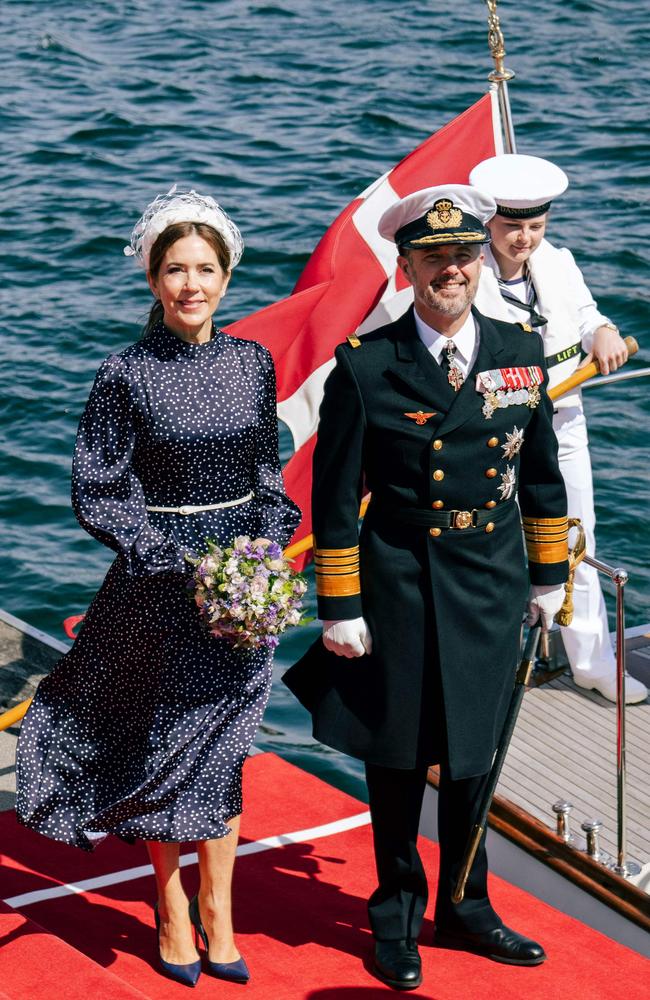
142 729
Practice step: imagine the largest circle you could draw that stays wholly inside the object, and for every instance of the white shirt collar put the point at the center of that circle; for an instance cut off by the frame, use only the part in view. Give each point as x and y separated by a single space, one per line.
466 340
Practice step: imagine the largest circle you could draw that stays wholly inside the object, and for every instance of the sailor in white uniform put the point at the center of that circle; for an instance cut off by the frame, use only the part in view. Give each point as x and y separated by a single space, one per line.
526 279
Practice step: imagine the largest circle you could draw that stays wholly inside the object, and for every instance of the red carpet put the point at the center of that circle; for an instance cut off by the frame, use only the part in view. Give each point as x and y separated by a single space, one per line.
300 918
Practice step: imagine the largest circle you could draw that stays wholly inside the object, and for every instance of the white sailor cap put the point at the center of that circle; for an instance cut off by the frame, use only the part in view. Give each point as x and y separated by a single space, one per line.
448 213
522 186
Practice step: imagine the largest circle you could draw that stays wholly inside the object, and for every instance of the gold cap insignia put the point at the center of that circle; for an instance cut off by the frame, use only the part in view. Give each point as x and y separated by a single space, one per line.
444 215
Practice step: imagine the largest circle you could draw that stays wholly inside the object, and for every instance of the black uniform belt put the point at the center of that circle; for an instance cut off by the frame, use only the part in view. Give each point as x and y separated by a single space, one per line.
457 519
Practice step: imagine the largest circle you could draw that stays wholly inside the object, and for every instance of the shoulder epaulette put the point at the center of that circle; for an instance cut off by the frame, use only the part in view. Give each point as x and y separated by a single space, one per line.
353 340
526 327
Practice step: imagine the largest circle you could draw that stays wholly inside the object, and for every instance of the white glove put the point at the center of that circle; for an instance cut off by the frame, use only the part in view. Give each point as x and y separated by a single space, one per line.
347 638
544 602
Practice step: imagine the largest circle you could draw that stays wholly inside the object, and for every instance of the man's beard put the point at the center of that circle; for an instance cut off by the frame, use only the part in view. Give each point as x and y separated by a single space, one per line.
438 302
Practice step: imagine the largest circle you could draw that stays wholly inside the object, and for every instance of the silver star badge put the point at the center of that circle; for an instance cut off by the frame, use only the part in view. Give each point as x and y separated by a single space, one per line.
513 443
508 480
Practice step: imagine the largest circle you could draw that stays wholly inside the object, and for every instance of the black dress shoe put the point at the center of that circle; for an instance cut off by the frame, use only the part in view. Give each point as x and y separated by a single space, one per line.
500 944
398 964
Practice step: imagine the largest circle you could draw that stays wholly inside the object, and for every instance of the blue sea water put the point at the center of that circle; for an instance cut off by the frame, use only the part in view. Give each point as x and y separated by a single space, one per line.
284 111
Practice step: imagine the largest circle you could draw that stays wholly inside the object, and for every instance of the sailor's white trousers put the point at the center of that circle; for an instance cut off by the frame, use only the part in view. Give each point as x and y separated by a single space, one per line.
586 640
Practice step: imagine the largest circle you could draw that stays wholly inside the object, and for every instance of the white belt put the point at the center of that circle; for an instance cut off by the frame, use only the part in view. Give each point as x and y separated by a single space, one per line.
188 508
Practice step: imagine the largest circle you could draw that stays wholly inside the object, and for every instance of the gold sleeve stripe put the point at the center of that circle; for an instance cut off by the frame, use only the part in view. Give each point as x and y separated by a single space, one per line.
353 550
544 530
547 539
336 560
338 586
554 552
557 521
338 570
551 536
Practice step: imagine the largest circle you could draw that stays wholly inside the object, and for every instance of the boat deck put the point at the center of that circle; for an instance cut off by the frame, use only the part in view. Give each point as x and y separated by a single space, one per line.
77 924
564 747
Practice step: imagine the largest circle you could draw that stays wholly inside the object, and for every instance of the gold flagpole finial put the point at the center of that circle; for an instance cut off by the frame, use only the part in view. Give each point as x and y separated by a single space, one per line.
500 75
497 45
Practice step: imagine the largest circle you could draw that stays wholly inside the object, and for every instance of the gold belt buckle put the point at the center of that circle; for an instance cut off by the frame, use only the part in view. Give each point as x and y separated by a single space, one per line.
461 519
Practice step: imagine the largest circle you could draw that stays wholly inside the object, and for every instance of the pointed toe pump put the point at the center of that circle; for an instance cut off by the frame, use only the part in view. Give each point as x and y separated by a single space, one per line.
232 972
188 975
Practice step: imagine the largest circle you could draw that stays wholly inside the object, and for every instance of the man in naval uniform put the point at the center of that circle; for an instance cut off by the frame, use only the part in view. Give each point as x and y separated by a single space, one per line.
526 278
443 416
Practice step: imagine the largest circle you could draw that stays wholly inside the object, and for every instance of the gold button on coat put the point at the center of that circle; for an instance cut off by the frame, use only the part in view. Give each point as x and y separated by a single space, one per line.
490 504
493 442
437 444
490 473
437 505
439 474
489 526
434 532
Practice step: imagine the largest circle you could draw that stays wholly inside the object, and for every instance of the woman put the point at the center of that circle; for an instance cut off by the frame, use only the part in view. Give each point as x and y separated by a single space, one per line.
142 729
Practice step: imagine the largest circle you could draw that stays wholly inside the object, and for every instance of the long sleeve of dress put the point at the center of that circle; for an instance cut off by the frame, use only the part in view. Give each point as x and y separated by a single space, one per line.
279 516
107 497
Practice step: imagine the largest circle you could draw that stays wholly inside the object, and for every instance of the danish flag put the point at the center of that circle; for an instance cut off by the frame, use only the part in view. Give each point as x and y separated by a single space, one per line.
351 284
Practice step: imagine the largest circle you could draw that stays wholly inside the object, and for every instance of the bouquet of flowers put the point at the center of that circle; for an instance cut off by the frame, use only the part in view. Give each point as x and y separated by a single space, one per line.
247 593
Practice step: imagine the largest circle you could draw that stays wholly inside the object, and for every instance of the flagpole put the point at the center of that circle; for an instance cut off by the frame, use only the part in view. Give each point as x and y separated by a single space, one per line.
500 76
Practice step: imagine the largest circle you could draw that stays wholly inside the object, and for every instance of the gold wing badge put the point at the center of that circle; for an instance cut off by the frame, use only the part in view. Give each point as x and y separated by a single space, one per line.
420 417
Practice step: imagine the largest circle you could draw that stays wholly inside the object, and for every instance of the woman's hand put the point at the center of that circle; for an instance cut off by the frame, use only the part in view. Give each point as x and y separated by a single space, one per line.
349 638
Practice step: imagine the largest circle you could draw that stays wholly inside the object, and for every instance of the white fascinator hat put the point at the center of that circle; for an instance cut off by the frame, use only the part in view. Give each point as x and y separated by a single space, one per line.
182 206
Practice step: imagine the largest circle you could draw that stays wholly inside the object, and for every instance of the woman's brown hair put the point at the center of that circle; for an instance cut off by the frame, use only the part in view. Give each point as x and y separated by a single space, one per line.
176 231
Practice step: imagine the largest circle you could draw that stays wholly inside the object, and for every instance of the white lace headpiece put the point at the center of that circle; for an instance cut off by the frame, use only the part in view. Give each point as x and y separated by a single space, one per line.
182 206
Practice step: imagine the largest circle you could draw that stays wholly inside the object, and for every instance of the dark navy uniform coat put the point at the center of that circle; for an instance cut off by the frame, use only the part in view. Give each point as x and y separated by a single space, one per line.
444 609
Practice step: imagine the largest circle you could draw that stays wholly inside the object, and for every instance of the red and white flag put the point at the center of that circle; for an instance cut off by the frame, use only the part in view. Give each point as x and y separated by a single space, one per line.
351 283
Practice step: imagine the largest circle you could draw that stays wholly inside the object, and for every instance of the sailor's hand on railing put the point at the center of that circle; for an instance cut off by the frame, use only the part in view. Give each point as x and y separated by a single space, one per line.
544 602
347 638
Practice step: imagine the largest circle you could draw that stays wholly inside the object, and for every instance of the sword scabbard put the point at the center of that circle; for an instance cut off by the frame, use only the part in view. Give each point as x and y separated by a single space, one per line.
470 853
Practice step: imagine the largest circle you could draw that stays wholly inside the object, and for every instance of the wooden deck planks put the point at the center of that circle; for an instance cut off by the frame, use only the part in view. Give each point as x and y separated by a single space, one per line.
564 746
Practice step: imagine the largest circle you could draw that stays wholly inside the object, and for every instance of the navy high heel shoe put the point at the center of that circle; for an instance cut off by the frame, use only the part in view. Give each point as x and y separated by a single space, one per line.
188 975
232 972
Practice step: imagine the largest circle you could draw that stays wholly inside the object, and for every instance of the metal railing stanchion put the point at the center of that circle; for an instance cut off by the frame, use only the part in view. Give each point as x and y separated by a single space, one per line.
623 866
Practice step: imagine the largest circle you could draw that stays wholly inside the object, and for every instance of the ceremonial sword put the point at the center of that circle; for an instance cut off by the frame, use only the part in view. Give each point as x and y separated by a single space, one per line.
522 679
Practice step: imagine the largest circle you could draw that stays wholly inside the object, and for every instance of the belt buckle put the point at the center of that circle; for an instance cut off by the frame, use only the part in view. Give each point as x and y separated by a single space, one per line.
186 509
462 519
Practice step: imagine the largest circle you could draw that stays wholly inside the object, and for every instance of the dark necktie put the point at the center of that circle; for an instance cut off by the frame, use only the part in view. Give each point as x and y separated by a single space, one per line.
450 366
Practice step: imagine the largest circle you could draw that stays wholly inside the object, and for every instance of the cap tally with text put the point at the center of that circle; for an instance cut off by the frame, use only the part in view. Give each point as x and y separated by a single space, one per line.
522 186
448 213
